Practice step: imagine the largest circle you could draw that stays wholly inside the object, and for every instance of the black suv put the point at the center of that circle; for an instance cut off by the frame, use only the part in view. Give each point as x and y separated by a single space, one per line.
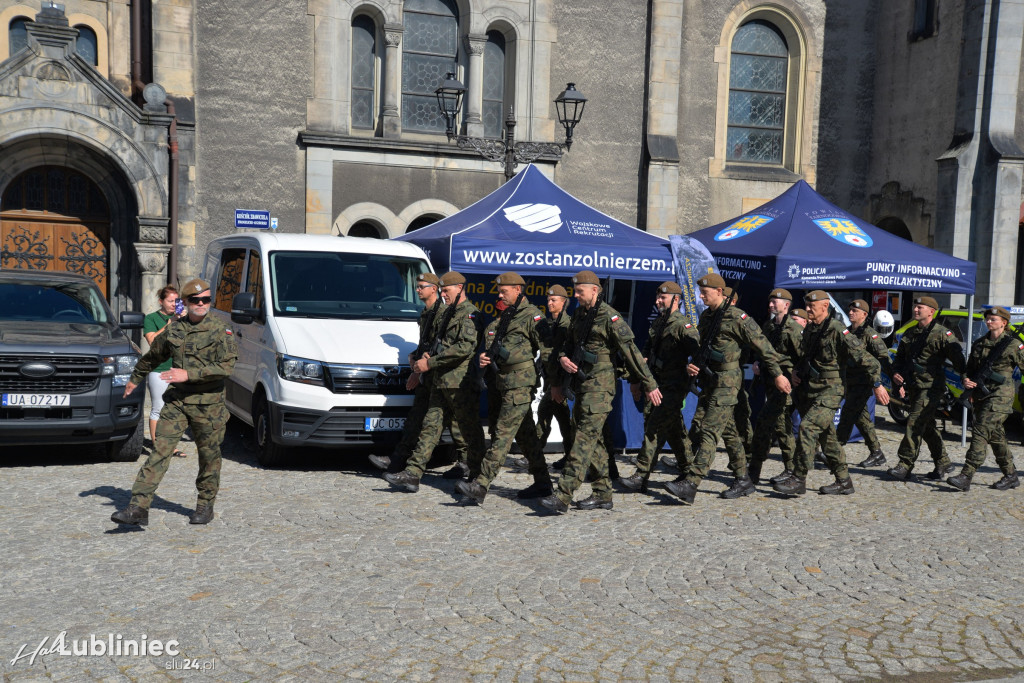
64 362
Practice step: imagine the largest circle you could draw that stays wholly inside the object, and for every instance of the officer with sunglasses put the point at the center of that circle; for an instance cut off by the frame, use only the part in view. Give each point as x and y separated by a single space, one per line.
203 353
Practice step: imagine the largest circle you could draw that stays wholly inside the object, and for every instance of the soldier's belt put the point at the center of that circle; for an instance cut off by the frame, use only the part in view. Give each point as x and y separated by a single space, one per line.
508 369
200 387
719 367
828 374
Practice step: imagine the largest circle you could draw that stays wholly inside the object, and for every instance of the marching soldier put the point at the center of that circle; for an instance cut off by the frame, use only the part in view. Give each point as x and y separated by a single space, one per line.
800 316
859 386
826 347
990 381
775 421
671 342
597 331
452 389
511 342
553 330
918 375
724 332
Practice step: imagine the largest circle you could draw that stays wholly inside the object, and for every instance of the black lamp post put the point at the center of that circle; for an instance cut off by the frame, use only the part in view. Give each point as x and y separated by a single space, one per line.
569 107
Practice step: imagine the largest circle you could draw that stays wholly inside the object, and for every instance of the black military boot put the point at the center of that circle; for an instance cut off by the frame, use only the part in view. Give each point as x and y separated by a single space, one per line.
1009 481
474 492
381 462
781 477
403 480
961 481
638 482
202 515
900 473
683 489
538 489
941 471
560 463
554 504
670 462
458 471
132 515
794 486
593 503
841 487
874 459
742 486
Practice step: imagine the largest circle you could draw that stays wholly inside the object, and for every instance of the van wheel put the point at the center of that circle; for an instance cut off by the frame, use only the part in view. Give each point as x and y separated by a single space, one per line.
128 450
268 453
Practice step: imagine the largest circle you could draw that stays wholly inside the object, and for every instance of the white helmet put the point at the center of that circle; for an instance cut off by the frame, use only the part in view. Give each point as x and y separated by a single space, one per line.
884 323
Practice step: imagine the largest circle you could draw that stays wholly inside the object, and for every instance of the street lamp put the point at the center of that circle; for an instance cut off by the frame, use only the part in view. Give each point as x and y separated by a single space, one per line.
569 107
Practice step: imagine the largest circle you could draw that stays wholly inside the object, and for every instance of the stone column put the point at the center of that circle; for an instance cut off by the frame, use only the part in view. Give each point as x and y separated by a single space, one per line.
474 101
153 261
661 209
392 115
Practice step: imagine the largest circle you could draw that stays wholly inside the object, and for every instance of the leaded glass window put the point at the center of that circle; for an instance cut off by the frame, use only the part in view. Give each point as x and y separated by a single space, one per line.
430 50
86 45
17 34
757 94
364 71
494 85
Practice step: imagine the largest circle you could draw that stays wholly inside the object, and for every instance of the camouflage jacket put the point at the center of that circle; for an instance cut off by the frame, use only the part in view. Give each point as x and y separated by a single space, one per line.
837 349
519 347
874 345
609 335
1000 382
737 332
206 350
785 339
926 371
458 347
669 347
429 323
553 332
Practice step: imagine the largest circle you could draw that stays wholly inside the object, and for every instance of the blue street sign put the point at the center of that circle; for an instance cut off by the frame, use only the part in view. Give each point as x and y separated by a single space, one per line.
247 218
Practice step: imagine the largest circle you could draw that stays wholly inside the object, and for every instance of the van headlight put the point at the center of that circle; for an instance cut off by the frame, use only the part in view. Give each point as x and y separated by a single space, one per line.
300 370
120 367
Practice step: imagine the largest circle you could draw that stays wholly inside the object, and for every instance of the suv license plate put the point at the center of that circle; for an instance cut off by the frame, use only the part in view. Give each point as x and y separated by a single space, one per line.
37 400
385 424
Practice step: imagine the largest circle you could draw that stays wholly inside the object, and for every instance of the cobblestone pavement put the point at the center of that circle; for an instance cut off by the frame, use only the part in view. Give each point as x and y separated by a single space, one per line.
321 572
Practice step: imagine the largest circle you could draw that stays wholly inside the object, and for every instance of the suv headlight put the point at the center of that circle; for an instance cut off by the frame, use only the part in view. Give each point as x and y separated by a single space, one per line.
300 370
120 367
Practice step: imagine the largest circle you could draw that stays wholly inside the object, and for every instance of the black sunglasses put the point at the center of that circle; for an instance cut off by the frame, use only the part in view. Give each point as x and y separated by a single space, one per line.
200 299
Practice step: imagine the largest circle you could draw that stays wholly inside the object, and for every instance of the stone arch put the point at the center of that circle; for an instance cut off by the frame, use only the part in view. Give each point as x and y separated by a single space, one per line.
424 207
370 212
895 204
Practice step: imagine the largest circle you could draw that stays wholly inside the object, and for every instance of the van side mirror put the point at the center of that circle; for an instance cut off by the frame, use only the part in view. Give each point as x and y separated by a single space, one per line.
131 320
243 308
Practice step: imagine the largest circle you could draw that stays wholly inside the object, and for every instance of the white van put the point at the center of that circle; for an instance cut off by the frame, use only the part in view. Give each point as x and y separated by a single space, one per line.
324 326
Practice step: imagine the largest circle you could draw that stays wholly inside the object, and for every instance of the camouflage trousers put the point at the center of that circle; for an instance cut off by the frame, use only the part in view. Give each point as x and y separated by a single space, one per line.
774 421
664 423
589 449
855 412
514 421
463 407
924 404
208 423
715 417
818 427
549 410
413 427
988 430
736 433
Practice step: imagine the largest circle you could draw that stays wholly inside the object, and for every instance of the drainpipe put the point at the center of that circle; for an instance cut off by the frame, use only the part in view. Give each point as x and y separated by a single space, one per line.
172 198
136 80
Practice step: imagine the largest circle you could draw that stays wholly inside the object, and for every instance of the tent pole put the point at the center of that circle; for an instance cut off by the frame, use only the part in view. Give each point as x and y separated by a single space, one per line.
970 338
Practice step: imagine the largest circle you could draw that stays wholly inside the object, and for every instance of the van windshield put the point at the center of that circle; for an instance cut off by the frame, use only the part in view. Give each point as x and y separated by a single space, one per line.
310 284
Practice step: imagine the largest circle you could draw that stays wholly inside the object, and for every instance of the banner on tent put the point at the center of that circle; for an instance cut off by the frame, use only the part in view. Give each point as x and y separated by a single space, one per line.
537 259
693 261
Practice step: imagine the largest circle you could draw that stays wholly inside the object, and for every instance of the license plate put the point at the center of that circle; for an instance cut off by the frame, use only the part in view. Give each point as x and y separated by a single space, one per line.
36 400
384 424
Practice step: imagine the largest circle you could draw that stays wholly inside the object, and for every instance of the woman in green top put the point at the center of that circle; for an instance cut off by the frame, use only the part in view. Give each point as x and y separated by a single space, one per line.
154 325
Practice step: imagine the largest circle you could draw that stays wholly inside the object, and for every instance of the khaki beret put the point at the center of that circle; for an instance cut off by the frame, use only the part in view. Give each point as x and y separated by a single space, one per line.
429 278
194 286
799 313
558 290
860 305
586 277
669 287
510 278
815 295
781 294
927 301
452 277
713 280
1000 311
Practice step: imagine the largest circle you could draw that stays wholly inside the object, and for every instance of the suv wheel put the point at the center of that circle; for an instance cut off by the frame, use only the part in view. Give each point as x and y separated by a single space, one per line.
128 450
268 453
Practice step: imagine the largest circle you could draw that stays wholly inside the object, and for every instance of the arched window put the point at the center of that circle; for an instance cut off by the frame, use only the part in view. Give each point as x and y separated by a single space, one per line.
494 85
429 50
421 222
86 45
364 229
17 34
364 72
757 94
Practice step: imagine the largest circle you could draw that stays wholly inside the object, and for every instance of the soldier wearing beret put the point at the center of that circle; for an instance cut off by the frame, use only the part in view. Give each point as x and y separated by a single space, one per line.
511 342
800 316
989 378
203 353
775 421
826 348
670 343
919 376
452 388
553 330
720 382
596 333
859 386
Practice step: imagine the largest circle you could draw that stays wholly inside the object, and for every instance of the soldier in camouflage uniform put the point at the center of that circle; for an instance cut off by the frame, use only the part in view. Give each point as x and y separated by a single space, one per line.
921 378
511 342
719 395
671 342
553 330
775 421
203 353
596 333
826 347
992 409
453 389
858 386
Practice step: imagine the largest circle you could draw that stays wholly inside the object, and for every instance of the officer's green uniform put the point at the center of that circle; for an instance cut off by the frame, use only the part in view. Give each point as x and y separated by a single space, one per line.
452 391
925 389
553 332
609 334
819 394
859 389
775 421
207 351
